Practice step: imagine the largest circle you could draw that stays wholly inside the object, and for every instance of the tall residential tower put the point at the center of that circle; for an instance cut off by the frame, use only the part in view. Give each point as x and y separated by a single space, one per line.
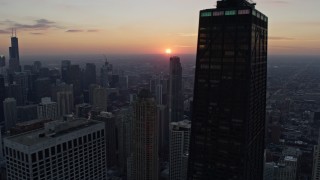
175 90
228 123
144 161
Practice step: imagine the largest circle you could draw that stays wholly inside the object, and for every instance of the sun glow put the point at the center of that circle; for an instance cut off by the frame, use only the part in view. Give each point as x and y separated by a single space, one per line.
168 51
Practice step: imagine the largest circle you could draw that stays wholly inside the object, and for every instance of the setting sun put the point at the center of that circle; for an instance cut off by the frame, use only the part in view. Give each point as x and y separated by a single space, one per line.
168 51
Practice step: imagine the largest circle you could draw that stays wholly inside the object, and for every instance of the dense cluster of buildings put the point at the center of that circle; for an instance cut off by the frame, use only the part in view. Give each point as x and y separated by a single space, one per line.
78 122
88 122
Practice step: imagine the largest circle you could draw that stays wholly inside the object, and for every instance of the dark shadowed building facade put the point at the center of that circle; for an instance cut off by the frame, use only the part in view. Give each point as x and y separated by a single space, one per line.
228 123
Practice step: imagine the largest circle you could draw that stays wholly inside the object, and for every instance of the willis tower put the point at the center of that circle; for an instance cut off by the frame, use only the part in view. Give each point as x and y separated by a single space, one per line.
228 123
14 61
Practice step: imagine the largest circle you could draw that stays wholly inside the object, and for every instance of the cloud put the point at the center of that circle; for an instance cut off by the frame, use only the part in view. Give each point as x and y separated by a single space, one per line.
4 32
93 30
280 38
39 24
74 30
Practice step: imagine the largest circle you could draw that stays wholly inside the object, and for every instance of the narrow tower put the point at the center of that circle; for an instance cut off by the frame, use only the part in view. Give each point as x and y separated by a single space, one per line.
14 61
175 90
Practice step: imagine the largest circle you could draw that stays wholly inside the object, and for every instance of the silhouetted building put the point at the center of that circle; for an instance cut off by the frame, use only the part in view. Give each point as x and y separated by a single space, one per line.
58 88
42 88
228 122
10 112
100 98
105 74
74 76
21 78
36 66
27 113
110 137
90 75
54 75
65 65
175 91
124 125
15 91
47 109
14 60
83 110
2 61
92 87
179 149
65 102
27 68
163 118
144 161
2 97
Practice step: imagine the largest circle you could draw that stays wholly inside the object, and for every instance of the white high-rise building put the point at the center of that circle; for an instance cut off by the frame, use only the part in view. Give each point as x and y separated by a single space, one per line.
10 112
62 150
286 169
65 102
179 149
47 109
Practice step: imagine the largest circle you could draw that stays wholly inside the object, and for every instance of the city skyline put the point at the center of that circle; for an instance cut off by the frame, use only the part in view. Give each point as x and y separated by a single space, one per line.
142 27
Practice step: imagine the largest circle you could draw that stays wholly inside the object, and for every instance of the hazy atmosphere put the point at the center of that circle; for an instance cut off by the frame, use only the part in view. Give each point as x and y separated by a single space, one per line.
142 27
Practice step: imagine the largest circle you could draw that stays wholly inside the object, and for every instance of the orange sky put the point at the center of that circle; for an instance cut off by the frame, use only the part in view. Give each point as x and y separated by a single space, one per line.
143 26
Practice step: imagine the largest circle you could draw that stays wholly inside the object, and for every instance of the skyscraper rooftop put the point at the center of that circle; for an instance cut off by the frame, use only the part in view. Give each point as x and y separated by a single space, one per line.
51 131
234 3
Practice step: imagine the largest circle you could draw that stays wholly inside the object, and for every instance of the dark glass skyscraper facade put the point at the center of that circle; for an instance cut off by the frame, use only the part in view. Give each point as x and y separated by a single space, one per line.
2 97
228 122
175 90
89 75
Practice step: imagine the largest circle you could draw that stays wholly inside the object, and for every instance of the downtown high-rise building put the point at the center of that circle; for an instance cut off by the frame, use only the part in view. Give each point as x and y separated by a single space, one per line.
316 161
65 66
14 59
106 74
10 112
21 79
2 97
124 123
47 109
90 75
100 99
175 90
110 137
73 149
2 61
228 122
179 149
144 161
65 102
